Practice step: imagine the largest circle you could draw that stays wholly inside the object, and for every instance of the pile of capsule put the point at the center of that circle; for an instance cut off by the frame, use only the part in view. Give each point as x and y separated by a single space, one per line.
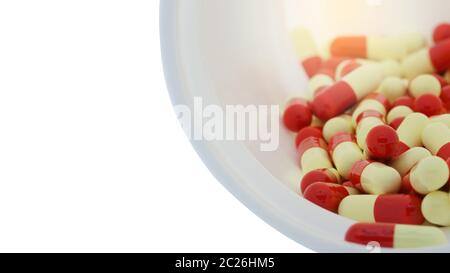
373 135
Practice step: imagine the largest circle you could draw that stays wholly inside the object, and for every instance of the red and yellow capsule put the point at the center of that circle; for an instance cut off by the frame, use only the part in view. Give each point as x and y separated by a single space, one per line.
395 235
389 208
328 196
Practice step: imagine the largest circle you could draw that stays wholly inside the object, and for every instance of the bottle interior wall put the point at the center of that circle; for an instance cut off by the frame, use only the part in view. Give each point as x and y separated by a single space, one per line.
328 18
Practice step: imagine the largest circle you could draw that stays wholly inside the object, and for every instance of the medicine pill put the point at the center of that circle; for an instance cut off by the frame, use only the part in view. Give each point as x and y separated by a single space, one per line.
428 60
441 33
322 175
406 161
370 47
297 115
429 175
395 235
313 154
436 208
375 177
345 153
334 100
306 132
425 84
328 196
390 208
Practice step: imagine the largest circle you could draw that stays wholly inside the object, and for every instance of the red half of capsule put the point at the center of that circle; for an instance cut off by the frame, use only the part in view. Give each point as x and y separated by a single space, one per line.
369 114
395 124
440 56
401 148
441 33
366 233
428 104
338 139
297 115
404 101
445 96
325 195
444 152
332 63
333 100
311 142
399 209
312 65
322 175
382 142
406 186
307 132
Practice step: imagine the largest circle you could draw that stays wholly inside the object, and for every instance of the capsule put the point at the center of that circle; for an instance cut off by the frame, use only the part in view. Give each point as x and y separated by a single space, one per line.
345 153
318 83
382 143
428 60
396 235
370 47
429 105
314 155
429 175
389 208
436 208
327 195
306 49
396 113
373 102
441 33
393 88
406 161
425 84
322 175
410 131
375 177
334 100
306 132
436 138
297 115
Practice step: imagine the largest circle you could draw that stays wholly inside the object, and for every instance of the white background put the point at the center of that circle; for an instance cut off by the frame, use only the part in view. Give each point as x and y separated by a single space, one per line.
91 155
